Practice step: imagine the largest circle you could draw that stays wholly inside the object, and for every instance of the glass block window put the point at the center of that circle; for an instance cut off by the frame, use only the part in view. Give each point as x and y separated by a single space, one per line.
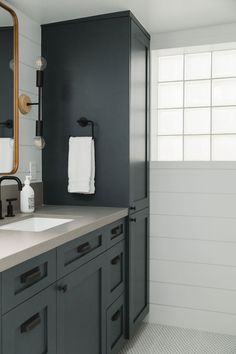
193 106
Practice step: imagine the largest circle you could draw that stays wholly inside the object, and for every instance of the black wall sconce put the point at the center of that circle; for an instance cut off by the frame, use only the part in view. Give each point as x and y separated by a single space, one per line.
25 103
7 124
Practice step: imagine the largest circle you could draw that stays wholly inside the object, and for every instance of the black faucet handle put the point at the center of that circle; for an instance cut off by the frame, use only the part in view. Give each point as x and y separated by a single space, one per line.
10 213
11 200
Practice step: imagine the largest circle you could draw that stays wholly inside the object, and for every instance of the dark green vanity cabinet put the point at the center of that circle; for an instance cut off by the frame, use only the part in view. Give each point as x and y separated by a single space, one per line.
68 300
100 69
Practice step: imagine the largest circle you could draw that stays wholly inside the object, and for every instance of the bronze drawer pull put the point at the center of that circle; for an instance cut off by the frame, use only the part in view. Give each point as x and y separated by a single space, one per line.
31 277
30 324
116 316
117 231
84 248
115 260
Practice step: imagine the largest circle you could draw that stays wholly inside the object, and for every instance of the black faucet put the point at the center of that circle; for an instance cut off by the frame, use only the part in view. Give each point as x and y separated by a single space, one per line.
14 178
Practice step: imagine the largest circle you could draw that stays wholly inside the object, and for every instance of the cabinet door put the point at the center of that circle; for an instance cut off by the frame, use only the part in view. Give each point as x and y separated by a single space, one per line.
115 272
30 328
81 310
116 326
139 119
138 276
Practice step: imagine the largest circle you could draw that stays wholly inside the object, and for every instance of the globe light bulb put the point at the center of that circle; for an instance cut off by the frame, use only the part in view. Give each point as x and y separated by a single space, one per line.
11 65
41 63
39 142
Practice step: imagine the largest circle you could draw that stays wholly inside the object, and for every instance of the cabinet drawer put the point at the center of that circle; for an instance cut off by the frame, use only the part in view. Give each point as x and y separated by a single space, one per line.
77 252
116 271
116 326
115 232
26 279
30 328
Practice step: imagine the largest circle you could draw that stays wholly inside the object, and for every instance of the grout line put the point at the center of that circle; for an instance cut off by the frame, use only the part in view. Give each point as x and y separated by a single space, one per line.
192 239
192 286
183 135
194 134
194 216
186 192
195 263
211 98
194 107
196 193
195 309
27 65
30 39
195 80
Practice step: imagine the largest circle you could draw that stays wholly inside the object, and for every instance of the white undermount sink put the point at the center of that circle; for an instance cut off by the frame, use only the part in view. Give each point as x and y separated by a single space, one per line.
35 224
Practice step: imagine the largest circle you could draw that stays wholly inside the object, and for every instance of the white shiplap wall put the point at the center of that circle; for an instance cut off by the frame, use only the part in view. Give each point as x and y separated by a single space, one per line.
193 245
29 50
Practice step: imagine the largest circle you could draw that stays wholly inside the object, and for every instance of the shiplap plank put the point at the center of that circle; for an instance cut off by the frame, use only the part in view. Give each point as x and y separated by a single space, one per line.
210 228
27 79
202 275
198 298
195 319
218 205
193 180
27 154
28 51
208 252
205 165
28 27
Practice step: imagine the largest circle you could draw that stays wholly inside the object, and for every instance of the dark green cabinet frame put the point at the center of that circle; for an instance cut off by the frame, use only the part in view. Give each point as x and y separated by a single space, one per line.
138 270
81 310
71 313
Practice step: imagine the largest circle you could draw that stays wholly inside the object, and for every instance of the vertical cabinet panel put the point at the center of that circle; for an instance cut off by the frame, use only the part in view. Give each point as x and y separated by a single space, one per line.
115 326
81 310
115 272
107 80
138 269
92 59
139 119
31 327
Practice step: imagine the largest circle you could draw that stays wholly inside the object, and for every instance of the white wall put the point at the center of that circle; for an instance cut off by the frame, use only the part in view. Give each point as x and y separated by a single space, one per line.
193 224
194 37
193 245
29 50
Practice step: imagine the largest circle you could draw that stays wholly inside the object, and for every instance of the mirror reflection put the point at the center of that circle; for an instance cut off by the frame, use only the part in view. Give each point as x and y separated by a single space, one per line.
6 91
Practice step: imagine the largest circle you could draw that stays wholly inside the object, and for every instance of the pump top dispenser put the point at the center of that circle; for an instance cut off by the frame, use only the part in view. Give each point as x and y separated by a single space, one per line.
27 203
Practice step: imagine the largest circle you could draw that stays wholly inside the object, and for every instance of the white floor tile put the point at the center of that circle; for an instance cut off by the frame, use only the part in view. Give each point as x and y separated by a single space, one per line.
157 339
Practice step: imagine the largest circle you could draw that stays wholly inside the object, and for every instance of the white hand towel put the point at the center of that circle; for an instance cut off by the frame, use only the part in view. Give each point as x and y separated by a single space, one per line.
81 165
6 154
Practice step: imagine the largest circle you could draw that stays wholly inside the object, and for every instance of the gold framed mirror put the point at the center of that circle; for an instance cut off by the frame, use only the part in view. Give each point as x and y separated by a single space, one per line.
9 90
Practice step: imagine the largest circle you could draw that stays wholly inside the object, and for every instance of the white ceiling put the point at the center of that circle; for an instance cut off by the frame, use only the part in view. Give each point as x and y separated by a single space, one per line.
155 15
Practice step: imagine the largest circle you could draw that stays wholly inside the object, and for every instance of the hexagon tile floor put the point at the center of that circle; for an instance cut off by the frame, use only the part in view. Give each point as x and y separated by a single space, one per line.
156 339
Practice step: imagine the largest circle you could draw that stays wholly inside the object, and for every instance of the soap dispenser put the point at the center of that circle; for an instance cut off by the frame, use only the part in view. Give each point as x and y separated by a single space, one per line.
27 197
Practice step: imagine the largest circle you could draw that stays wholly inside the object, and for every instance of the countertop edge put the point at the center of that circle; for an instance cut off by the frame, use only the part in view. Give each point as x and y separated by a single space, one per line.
48 245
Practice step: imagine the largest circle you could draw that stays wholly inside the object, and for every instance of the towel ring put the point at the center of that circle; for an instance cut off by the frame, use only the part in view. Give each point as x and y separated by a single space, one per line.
84 122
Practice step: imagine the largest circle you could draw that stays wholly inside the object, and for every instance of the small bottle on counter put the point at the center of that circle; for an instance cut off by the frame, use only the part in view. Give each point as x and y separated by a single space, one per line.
27 197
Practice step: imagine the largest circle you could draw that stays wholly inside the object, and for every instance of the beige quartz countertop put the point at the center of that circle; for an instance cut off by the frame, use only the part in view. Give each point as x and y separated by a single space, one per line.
19 246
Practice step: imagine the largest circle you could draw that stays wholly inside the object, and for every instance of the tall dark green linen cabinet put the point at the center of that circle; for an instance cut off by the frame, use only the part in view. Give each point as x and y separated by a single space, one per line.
98 68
